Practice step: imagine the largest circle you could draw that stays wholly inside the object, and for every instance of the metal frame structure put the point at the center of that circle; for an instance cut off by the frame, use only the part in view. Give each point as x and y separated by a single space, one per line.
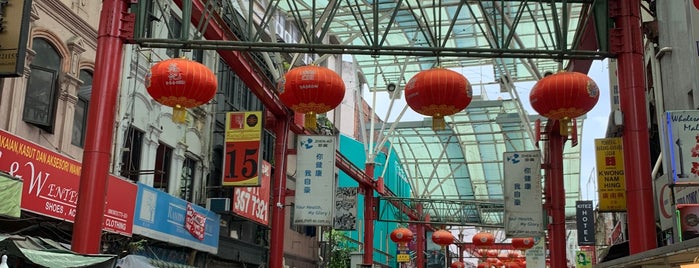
426 33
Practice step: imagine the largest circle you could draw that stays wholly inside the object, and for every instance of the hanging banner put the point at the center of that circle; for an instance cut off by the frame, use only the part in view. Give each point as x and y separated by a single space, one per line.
683 129
14 32
169 219
611 182
584 216
536 256
523 203
315 180
52 181
241 162
253 202
195 222
346 208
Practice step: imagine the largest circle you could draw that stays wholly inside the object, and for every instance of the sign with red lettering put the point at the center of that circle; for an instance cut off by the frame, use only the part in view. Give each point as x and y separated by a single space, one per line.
51 183
253 202
195 222
243 135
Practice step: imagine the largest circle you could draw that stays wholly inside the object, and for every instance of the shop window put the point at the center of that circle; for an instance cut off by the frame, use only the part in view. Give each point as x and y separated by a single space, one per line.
131 155
81 107
187 179
163 158
42 86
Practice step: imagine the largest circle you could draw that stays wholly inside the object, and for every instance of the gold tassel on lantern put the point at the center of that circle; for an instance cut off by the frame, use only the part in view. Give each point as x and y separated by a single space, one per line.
563 126
309 121
438 122
179 114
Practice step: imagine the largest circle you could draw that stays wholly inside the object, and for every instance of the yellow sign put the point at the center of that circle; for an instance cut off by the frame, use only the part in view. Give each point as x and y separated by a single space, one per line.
242 155
403 257
582 260
611 182
14 28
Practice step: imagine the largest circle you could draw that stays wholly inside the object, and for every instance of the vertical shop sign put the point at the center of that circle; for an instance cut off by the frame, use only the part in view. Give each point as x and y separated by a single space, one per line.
611 182
586 223
253 202
241 162
346 208
315 180
195 222
523 204
14 32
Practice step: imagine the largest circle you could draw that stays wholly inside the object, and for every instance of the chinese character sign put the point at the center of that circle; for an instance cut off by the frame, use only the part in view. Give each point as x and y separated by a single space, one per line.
241 162
610 174
522 191
315 180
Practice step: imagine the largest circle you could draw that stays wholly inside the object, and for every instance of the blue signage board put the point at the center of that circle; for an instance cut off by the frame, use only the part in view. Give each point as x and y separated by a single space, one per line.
161 216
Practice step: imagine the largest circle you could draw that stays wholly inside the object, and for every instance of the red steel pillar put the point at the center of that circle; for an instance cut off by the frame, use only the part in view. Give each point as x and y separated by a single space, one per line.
276 251
420 248
554 180
87 230
637 165
369 218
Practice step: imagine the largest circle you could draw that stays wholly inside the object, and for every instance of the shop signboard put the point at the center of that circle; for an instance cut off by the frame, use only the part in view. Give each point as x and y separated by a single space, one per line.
585 222
163 217
51 183
611 180
253 202
522 189
315 180
243 136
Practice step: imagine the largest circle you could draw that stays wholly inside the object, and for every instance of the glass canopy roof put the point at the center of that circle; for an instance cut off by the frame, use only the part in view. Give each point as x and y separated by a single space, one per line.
392 40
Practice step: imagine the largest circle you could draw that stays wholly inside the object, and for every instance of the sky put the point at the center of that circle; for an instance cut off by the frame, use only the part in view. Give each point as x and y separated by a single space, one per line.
594 127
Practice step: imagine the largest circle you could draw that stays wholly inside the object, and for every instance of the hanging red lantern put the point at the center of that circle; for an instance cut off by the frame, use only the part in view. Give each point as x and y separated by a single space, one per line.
438 92
564 96
311 90
442 238
457 264
181 84
484 265
522 243
402 236
512 265
483 240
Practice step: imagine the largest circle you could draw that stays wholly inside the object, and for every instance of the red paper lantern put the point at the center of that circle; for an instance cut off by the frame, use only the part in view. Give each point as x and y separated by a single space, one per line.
484 265
442 238
458 264
181 84
522 243
512 265
564 96
311 90
483 240
438 92
402 236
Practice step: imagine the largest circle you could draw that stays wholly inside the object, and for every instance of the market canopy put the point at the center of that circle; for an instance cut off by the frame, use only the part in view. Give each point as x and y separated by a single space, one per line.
49 253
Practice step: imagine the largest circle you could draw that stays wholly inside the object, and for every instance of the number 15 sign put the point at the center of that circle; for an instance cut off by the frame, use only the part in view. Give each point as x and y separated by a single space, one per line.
242 158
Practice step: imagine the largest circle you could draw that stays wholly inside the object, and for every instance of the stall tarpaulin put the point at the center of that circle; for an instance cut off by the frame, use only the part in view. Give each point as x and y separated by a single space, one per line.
11 195
48 253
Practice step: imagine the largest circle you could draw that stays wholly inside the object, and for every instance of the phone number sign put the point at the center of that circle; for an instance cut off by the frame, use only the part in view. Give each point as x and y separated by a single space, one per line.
253 202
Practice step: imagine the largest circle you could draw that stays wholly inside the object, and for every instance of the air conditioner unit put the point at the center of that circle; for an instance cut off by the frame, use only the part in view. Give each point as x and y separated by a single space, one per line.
218 204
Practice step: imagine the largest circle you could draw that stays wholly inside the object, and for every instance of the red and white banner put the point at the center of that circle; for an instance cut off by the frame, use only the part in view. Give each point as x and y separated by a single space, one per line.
253 202
51 183
195 222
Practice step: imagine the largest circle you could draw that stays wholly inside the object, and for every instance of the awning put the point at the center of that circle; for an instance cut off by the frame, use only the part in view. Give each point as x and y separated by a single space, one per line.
49 253
138 261
11 195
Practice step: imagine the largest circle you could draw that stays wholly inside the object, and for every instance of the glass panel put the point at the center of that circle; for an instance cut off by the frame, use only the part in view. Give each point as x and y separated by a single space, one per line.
81 108
186 187
39 99
46 55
